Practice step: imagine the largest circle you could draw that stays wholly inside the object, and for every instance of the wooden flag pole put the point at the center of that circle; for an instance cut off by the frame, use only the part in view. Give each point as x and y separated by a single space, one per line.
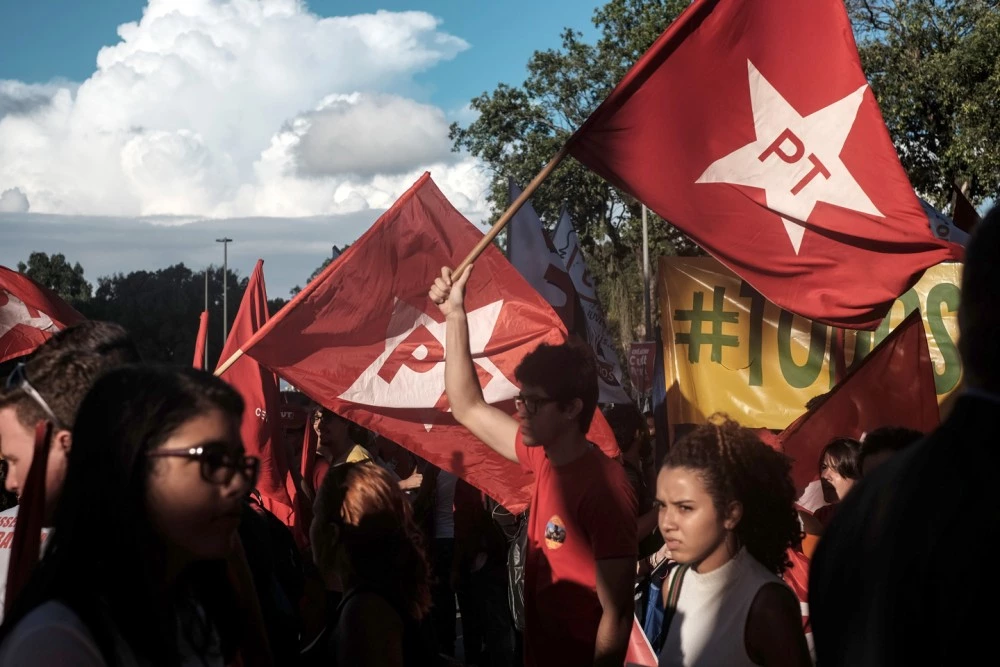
512 209
229 362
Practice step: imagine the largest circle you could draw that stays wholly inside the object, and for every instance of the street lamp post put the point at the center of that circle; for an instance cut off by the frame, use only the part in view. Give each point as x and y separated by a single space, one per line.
225 241
205 365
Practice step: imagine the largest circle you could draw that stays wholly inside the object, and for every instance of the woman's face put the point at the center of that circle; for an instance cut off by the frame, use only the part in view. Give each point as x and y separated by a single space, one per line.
835 486
691 526
194 517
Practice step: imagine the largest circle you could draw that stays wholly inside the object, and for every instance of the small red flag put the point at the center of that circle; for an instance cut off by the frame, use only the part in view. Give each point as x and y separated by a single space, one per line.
364 340
199 343
750 126
892 386
964 214
261 431
29 314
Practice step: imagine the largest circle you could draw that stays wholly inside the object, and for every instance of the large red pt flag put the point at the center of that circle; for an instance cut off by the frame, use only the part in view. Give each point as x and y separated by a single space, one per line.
364 340
750 126
262 429
29 314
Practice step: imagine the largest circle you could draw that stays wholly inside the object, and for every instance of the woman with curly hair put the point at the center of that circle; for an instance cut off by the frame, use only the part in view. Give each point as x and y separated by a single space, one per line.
365 542
727 516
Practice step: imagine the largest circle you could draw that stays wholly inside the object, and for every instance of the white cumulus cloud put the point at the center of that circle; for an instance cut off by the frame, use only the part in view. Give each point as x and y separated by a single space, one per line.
239 108
13 201
372 134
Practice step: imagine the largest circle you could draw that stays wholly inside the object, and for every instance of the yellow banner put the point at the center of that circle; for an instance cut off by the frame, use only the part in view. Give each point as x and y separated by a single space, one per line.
728 349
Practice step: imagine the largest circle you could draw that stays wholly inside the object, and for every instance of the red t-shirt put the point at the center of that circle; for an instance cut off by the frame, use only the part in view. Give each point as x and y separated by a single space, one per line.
580 513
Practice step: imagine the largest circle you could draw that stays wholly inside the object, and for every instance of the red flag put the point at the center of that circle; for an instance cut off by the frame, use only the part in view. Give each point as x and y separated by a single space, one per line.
963 214
29 314
797 578
750 126
364 340
892 386
640 652
199 343
258 386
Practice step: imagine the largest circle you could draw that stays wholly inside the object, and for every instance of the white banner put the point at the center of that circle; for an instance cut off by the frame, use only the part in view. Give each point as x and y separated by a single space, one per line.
608 367
534 255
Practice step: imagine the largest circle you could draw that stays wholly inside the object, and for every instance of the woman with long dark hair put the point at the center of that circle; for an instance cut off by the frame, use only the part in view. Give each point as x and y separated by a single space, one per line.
135 568
365 542
727 516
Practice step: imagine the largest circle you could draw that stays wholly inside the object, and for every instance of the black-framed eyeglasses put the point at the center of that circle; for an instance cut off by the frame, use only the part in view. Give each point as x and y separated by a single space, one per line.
218 466
18 379
532 403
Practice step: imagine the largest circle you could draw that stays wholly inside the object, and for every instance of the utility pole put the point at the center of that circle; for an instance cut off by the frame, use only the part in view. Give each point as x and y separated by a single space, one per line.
205 365
225 241
645 276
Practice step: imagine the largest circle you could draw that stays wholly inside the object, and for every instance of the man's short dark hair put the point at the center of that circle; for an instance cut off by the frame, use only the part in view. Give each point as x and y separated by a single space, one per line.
979 309
64 368
887 439
565 372
625 421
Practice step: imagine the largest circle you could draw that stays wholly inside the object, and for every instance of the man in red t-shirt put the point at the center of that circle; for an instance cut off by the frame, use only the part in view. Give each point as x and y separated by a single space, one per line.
582 545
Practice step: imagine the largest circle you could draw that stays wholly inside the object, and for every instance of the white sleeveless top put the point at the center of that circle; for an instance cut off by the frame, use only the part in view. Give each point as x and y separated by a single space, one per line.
710 622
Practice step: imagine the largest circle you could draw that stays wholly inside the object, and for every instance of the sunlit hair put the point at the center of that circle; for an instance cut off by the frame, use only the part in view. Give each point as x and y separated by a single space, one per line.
383 545
734 465
63 369
844 456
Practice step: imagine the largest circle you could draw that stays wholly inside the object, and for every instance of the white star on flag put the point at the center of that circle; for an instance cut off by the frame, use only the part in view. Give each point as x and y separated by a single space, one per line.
423 388
795 159
13 311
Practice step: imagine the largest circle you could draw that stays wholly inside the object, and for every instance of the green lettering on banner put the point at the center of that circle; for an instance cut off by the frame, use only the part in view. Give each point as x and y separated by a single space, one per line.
757 302
717 316
805 375
911 302
862 346
949 295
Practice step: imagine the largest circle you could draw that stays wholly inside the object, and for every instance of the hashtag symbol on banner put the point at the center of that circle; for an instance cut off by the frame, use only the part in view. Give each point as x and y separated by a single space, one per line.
717 317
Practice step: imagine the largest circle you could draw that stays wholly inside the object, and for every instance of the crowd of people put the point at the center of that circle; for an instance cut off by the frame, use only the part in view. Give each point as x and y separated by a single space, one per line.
155 549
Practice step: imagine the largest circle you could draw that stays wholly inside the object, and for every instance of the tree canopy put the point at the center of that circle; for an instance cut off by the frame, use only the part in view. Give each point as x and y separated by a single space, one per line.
56 273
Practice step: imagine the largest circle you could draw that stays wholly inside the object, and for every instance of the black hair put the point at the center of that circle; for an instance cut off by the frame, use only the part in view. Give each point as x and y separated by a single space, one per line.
886 439
979 309
626 423
103 559
565 372
845 457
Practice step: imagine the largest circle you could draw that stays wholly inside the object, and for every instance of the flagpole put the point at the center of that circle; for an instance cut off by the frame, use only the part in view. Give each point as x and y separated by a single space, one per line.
513 208
205 366
645 276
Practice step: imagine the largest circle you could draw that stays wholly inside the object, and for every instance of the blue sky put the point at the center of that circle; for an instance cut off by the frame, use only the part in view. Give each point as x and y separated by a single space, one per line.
289 134
54 39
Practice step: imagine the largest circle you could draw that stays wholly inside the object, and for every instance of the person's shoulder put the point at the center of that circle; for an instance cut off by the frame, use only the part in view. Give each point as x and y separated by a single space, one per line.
52 633
367 609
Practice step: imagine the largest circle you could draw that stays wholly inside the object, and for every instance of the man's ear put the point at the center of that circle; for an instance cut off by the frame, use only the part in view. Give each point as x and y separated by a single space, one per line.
573 409
733 515
63 440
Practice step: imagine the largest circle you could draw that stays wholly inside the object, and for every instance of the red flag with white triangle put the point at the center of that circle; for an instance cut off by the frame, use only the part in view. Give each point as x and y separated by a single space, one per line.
750 126
29 314
892 386
364 340
261 430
